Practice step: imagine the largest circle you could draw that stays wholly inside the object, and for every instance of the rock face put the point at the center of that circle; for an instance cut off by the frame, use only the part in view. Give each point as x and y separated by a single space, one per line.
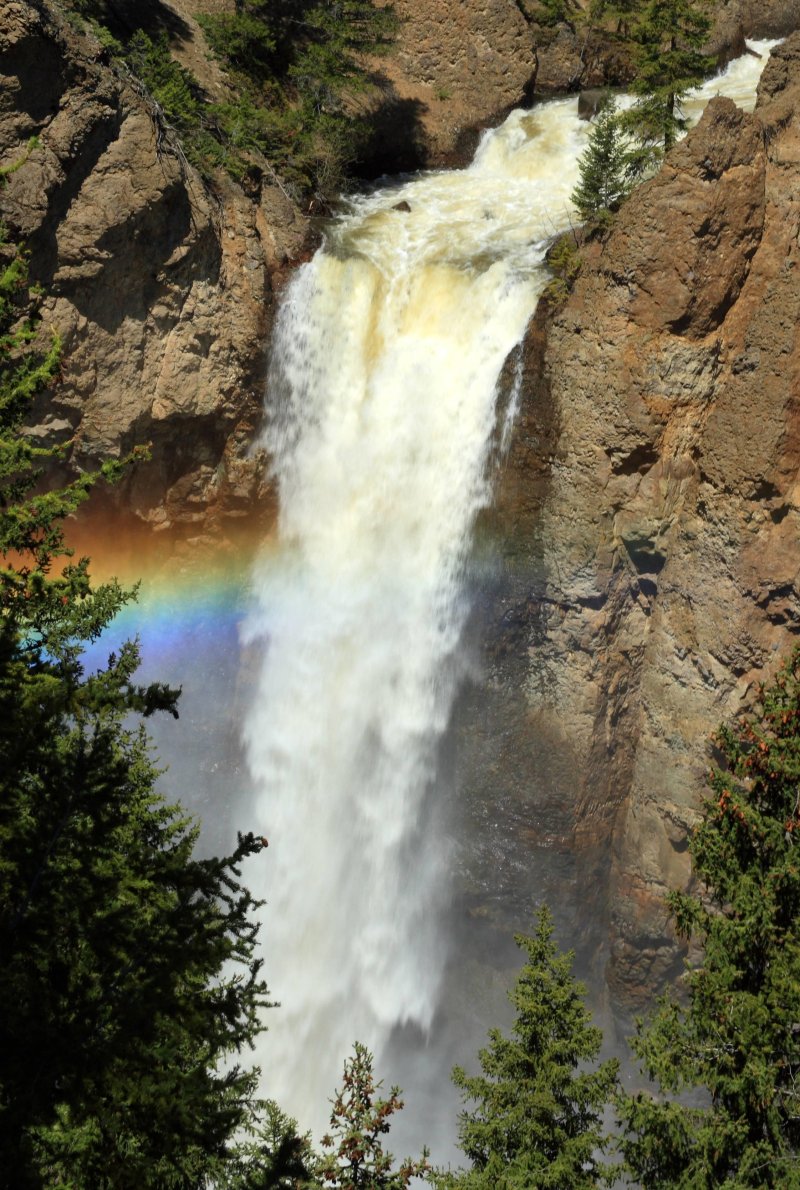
161 290
650 520
458 68
454 70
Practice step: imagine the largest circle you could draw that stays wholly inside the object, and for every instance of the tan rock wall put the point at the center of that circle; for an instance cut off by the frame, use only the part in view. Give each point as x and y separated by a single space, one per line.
659 577
161 289
457 68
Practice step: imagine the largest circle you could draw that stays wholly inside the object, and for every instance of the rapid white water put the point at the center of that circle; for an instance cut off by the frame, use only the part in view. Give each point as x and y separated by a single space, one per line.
383 391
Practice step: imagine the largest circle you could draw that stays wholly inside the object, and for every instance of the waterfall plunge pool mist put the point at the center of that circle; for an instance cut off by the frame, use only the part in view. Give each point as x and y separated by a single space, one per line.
386 426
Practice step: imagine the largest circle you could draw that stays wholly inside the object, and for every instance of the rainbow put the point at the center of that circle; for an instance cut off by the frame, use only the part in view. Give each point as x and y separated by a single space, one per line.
191 595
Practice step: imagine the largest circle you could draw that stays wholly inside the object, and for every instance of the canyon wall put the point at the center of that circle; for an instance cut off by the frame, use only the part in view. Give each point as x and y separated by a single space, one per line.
161 287
648 519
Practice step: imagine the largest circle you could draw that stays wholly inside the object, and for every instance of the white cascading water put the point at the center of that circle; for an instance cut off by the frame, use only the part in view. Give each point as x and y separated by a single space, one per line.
386 358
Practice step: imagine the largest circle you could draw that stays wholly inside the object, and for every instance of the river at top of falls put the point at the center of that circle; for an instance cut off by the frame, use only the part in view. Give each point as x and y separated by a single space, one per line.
386 357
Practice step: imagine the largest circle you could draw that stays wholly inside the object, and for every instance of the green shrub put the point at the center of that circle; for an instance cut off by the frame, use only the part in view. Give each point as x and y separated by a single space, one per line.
295 65
565 263
178 95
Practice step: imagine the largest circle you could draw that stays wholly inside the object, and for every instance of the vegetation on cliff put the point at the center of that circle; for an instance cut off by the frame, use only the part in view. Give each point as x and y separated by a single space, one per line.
605 174
294 70
625 146
297 66
668 37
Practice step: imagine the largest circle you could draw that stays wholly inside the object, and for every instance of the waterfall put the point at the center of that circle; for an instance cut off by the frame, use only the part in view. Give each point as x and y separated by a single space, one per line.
385 364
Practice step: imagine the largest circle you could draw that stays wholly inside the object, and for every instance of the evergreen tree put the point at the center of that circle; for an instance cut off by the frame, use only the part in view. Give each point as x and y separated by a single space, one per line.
357 1160
127 969
327 57
669 62
536 1121
604 168
273 1156
738 1037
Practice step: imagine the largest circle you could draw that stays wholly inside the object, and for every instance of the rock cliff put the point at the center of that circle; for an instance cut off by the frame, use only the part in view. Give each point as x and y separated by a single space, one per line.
457 68
161 288
649 516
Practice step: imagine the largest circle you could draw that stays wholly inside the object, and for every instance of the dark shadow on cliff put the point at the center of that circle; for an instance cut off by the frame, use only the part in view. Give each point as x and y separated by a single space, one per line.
179 447
134 258
35 75
396 141
516 830
124 17
44 244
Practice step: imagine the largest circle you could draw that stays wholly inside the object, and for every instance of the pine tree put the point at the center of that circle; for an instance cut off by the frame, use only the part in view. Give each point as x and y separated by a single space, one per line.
737 1039
536 1121
127 968
603 167
357 1160
272 1155
668 37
